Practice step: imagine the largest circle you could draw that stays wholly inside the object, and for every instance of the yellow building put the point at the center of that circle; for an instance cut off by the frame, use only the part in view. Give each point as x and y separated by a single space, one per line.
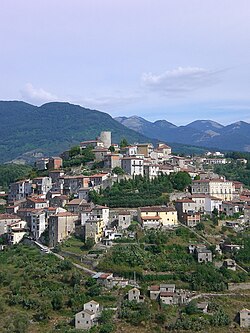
157 216
94 229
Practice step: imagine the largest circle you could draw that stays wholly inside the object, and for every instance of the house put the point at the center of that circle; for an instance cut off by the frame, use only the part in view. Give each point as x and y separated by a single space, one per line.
232 248
230 264
134 294
100 153
200 202
74 206
94 228
103 279
230 207
191 219
101 213
37 223
91 143
88 317
155 291
112 161
61 225
204 255
129 151
212 203
151 170
219 188
202 306
71 184
157 216
144 149
167 297
124 219
98 179
42 185
167 288
42 164
6 220
178 161
193 247
16 231
20 190
245 318
133 166
83 193
165 149
186 212
55 163
37 202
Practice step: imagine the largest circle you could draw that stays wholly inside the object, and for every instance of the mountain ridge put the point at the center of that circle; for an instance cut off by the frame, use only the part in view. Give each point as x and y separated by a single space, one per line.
205 133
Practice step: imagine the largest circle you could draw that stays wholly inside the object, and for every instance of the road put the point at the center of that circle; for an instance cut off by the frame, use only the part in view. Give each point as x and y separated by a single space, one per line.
47 250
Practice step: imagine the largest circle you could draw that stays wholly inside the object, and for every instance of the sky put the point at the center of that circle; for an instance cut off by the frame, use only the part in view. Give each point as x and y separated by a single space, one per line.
178 60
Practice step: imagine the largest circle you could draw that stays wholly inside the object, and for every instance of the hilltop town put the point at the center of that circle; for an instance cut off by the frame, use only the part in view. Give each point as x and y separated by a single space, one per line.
157 231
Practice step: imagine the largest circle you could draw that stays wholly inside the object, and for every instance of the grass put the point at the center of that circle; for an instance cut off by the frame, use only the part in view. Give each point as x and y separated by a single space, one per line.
73 245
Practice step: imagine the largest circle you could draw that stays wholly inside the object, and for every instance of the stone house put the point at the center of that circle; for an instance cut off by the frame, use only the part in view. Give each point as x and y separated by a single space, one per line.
204 255
88 317
245 318
124 220
134 294
61 225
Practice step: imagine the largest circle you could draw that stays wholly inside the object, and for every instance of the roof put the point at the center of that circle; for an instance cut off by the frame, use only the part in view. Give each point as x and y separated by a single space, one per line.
62 214
185 200
124 212
98 175
37 200
150 218
167 285
199 250
8 217
101 275
154 288
244 310
157 209
75 202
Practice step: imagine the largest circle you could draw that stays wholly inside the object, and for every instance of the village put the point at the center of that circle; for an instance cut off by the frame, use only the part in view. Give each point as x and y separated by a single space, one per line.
49 209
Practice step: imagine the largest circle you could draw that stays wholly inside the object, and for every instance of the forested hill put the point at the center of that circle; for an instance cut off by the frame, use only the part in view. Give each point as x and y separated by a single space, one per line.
53 128
27 130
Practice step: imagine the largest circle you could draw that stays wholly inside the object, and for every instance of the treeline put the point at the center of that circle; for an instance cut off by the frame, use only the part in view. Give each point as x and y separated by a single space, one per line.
141 191
78 157
10 173
235 171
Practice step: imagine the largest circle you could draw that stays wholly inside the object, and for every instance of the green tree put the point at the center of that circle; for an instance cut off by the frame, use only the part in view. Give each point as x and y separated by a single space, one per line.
123 143
118 171
180 180
57 301
112 149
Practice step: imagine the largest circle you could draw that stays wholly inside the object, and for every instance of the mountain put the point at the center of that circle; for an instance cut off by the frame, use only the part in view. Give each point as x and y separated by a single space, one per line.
28 131
202 133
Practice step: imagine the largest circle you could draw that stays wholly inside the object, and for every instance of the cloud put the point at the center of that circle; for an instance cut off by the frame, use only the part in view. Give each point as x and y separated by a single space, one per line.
110 100
181 80
37 95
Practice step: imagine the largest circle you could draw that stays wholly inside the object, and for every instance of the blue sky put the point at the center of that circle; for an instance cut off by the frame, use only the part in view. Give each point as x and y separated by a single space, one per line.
178 60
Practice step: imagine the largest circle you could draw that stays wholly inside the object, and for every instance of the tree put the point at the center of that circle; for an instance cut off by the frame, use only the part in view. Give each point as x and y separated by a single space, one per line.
57 301
180 180
118 171
112 149
90 242
123 143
